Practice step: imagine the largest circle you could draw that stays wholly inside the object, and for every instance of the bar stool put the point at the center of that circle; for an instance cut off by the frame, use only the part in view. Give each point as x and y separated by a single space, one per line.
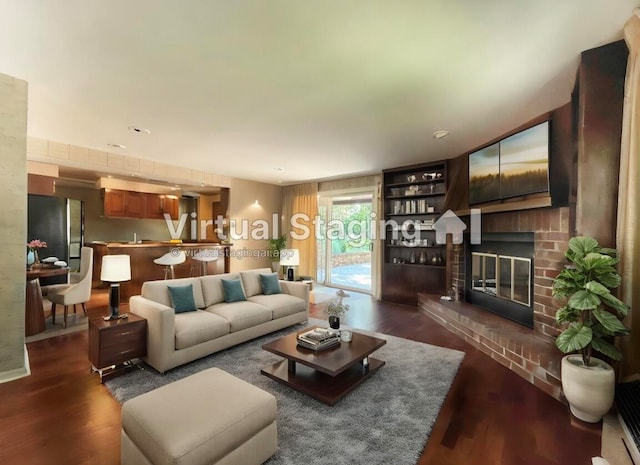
204 256
169 260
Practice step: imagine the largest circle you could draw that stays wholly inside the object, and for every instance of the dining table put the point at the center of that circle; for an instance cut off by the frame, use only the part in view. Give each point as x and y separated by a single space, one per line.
34 308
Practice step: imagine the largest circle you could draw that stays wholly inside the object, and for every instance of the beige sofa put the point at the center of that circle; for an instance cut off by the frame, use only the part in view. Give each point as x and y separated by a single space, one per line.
177 338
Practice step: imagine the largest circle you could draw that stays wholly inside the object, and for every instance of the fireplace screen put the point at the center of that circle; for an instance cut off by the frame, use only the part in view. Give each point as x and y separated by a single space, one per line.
502 276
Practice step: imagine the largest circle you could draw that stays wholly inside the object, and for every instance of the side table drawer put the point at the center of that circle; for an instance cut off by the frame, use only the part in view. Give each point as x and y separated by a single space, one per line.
116 354
123 335
115 342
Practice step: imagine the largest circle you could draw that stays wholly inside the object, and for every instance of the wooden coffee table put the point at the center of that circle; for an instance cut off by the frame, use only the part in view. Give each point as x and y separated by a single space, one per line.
327 375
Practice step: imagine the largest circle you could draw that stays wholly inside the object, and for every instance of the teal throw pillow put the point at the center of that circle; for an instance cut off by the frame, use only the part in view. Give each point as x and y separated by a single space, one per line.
270 284
182 298
233 290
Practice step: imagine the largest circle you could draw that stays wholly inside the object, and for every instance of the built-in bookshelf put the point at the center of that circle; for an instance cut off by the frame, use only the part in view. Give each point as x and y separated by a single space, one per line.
413 260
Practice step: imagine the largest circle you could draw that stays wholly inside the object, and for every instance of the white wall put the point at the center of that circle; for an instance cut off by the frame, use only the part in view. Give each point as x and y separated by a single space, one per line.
13 214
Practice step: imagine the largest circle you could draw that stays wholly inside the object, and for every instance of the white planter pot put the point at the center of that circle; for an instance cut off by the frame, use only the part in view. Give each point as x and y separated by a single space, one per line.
589 390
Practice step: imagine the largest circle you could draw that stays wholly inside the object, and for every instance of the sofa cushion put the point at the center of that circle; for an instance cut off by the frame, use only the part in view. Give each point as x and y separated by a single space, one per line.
158 290
195 327
270 284
242 315
233 291
212 289
182 298
280 304
251 281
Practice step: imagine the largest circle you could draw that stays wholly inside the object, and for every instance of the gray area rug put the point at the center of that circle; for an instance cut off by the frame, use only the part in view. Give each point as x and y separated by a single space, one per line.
386 420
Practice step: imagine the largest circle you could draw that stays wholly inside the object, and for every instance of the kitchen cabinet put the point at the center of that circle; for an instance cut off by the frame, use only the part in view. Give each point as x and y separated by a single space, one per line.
158 205
129 204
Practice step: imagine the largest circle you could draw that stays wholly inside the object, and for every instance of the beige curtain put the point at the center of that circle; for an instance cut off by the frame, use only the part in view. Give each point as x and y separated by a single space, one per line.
628 228
299 209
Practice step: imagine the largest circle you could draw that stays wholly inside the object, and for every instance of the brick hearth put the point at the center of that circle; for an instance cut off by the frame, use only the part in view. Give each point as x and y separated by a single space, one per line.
530 353
511 344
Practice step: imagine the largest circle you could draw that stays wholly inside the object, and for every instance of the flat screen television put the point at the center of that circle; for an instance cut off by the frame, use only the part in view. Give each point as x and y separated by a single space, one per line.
515 166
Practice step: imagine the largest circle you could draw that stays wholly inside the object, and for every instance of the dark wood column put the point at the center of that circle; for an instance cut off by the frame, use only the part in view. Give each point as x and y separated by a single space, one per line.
599 96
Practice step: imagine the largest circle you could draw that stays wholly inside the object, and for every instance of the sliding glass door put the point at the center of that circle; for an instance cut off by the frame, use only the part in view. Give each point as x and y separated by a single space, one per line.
344 243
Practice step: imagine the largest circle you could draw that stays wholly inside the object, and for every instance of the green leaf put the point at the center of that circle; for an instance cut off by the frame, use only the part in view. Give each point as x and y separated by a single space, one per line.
567 315
615 303
582 245
595 261
609 321
607 349
611 252
597 288
611 279
584 300
574 338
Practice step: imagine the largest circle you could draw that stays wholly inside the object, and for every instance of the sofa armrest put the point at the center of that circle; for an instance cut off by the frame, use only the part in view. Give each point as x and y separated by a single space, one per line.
161 330
296 289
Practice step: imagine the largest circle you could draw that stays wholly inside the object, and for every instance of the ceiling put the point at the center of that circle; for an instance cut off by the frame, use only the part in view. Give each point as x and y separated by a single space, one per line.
324 89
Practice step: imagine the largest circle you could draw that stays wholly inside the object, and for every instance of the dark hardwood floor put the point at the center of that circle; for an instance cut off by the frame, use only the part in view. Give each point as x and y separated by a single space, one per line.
62 415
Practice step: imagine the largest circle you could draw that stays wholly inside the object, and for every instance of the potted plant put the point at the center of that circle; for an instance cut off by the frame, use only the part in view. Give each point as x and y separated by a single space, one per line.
588 382
275 246
337 309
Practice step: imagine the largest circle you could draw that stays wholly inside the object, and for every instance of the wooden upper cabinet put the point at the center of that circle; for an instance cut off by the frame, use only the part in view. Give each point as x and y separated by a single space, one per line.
114 202
129 204
170 205
135 204
153 208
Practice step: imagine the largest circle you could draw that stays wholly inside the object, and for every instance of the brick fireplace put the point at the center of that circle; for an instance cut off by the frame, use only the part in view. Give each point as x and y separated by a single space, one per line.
531 353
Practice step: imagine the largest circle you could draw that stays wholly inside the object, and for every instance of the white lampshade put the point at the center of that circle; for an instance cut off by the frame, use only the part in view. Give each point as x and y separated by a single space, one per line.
115 268
289 257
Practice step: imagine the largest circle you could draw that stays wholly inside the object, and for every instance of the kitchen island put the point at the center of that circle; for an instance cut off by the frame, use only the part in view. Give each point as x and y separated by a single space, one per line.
144 269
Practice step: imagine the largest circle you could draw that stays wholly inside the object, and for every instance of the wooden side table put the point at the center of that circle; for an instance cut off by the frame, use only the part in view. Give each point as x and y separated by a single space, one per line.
114 343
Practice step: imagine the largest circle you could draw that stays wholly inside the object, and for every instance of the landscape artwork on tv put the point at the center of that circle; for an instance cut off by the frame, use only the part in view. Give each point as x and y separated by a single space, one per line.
517 165
524 162
484 175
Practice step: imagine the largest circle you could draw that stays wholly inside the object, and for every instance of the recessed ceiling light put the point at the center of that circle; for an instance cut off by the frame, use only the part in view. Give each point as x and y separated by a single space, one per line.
440 134
117 146
139 130
278 168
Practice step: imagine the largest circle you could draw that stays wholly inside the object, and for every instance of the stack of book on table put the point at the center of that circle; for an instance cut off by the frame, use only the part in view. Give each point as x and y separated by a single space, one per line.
319 338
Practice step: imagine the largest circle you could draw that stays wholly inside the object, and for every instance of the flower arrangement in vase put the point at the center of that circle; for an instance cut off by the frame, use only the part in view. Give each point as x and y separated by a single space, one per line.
336 309
33 246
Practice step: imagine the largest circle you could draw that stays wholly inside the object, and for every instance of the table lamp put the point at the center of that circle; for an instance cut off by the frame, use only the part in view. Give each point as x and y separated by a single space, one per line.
290 258
115 269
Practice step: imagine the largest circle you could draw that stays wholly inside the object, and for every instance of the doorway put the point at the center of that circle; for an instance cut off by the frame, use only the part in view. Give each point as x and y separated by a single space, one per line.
345 245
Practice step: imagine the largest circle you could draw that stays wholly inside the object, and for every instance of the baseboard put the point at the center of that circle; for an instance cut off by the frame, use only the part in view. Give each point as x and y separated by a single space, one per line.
12 375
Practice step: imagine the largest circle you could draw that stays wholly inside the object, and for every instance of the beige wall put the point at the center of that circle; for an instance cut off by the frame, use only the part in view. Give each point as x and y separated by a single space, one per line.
250 253
13 210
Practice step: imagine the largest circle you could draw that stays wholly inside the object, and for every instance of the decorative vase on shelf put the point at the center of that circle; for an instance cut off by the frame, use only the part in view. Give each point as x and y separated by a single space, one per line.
412 257
423 258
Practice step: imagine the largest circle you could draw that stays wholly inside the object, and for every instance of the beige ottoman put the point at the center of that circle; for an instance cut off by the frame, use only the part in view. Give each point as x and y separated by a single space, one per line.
210 417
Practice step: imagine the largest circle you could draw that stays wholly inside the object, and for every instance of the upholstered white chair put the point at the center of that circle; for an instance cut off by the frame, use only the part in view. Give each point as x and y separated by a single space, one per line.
169 260
78 291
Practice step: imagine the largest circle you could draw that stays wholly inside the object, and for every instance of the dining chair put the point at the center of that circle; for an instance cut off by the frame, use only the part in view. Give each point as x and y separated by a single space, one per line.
74 293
